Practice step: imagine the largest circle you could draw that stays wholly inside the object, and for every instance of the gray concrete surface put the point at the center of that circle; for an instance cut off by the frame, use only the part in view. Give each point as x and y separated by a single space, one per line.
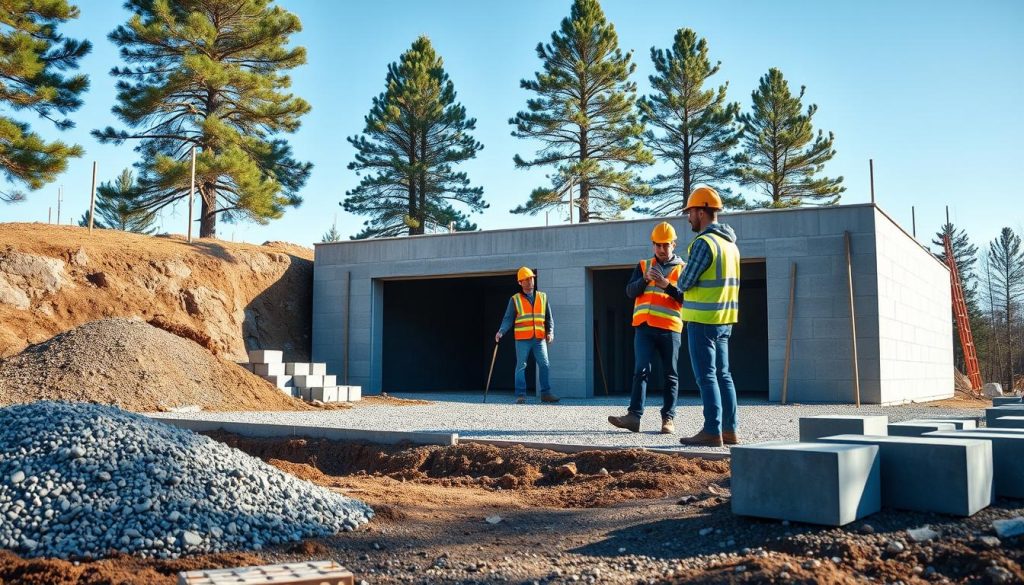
815 426
958 424
1007 458
991 414
918 428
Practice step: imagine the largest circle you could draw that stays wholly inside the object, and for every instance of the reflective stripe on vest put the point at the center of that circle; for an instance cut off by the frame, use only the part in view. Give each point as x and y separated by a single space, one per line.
530 318
655 307
715 298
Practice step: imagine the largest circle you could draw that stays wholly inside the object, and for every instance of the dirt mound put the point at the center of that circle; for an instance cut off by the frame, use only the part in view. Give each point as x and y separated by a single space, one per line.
236 296
133 365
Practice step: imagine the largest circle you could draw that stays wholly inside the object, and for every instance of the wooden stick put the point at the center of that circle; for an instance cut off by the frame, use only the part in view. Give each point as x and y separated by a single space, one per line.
600 362
92 197
789 330
490 371
853 321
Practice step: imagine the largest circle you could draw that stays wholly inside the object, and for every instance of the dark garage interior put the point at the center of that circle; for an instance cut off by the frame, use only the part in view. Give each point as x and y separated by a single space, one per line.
439 335
748 346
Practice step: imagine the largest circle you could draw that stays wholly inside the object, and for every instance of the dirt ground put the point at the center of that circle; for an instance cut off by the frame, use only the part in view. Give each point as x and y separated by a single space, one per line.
481 514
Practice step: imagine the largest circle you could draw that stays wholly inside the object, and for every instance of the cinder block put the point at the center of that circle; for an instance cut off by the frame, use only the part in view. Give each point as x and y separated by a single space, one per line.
948 476
1004 400
296 369
828 484
355 393
309 381
995 412
814 427
324 394
265 356
330 380
1007 458
268 369
318 369
959 423
1007 422
301 573
280 381
916 429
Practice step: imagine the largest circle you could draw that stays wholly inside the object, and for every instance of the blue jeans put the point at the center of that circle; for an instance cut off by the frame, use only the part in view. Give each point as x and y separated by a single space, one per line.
648 343
539 347
709 357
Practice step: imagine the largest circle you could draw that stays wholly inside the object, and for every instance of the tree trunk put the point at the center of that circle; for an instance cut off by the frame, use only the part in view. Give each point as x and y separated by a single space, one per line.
584 187
208 212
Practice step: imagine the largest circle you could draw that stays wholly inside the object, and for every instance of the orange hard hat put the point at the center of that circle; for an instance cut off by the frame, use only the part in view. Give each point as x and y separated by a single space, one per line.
703 197
524 273
663 233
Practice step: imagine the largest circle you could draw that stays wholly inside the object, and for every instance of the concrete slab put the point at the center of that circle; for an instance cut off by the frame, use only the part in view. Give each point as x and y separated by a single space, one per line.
823 425
916 429
318 369
1007 458
1007 422
959 423
296 369
309 381
334 434
1004 400
265 356
1000 411
948 476
830 484
276 369
280 381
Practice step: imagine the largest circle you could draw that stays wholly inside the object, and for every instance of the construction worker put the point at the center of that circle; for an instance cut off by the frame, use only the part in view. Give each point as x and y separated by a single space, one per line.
711 298
530 313
657 329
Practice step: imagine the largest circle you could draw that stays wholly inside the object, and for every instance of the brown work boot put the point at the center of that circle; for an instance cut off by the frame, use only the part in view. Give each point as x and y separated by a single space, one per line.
667 426
730 438
630 422
520 400
549 398
702 439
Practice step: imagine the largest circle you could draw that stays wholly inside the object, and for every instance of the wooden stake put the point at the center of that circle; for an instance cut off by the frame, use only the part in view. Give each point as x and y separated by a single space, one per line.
871 164
853 321
789 330
490 371
92 197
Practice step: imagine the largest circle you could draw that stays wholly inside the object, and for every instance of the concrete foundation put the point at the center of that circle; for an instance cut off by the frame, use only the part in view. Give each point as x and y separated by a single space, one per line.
1007 459
916 429
334 434
814 427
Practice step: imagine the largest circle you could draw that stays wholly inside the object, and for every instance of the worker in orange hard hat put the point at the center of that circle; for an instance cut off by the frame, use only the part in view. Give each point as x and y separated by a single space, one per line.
657 328
710 287
530 314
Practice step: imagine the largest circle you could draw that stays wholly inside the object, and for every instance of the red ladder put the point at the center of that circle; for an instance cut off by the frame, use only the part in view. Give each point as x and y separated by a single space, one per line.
963 324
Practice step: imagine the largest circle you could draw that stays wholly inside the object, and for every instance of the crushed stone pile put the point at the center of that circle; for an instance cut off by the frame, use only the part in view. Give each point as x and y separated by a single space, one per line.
86 481
133 365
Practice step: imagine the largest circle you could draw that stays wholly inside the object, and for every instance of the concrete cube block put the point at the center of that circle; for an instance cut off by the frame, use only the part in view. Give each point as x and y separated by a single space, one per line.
318 369
1007 422
828 484
814 427
309 381
330 380
995 412
265 356
355 393
959 423
948 476
305 393
296 369
1004 400
268 369
916 429
1007 458
324 394
280 381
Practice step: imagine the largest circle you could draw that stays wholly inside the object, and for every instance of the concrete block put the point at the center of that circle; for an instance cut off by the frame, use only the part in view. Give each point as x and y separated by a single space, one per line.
948 476
330 380
309 381
355 393
296 369
819 483
324 394
995 412
265 356
299 573
916 429
814 427
1004 400
958 423
1007 422
280 381
1007 458
318 369
274 369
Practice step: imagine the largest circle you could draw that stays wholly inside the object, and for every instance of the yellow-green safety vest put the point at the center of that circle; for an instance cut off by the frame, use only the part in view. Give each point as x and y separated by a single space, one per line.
715 298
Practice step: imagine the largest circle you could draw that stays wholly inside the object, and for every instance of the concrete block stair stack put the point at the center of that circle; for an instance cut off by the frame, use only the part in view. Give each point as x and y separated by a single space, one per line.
306 380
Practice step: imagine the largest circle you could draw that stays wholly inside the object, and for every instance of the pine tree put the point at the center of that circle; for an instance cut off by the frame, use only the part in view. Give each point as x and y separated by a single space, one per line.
331 235
966 256
696 127
585 117
415 133
34 58
210 74
115 208
1006 259
779 158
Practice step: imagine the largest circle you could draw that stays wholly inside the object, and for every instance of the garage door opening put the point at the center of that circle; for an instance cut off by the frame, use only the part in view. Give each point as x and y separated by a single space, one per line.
438 335
613 333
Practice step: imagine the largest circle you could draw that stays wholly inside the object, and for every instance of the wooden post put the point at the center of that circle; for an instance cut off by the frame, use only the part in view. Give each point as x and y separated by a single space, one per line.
853 320
348 319
570 201
92 197
789 330
49 214
490 371
191 192
913 222
60 195
871 164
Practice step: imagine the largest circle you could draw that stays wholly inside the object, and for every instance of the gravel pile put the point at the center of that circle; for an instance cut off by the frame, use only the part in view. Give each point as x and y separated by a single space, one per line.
84 480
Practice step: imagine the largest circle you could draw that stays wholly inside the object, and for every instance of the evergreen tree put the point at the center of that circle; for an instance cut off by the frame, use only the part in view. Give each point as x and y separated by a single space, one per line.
585 117
966 256
1006 259
332 235
210 74
696 127
415 133
34 59
781 156
115 207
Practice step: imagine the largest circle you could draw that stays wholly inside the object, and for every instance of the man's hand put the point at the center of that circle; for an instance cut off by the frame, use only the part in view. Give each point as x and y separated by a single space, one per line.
497 337
550 337
654 274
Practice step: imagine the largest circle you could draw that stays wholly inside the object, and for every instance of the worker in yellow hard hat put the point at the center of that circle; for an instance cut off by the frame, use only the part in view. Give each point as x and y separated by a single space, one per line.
711 298
530 314
657 328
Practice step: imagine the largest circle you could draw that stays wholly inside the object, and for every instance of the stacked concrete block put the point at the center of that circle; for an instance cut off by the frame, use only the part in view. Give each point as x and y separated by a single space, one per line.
309 381
958 423
296 369
302 573
1007 457
991 414
267 365
930 474
828 484
814 427
918 428
1007 422
1005 400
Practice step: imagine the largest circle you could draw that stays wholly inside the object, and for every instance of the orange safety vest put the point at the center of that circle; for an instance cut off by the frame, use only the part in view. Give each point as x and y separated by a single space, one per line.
530 318
655 307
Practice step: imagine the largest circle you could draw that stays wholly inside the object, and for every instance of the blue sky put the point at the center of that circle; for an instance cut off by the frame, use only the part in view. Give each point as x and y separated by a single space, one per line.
931 90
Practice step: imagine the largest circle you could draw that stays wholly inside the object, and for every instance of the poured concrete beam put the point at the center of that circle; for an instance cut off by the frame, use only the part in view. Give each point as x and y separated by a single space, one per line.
916 429
824 425
1007 458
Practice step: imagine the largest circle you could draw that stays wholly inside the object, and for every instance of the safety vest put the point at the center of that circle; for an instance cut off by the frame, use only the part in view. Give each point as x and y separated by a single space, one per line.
530 318
655 307
715 298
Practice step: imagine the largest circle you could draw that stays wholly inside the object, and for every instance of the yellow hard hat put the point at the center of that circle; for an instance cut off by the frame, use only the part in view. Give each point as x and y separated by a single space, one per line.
523 274
704 197
663 233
